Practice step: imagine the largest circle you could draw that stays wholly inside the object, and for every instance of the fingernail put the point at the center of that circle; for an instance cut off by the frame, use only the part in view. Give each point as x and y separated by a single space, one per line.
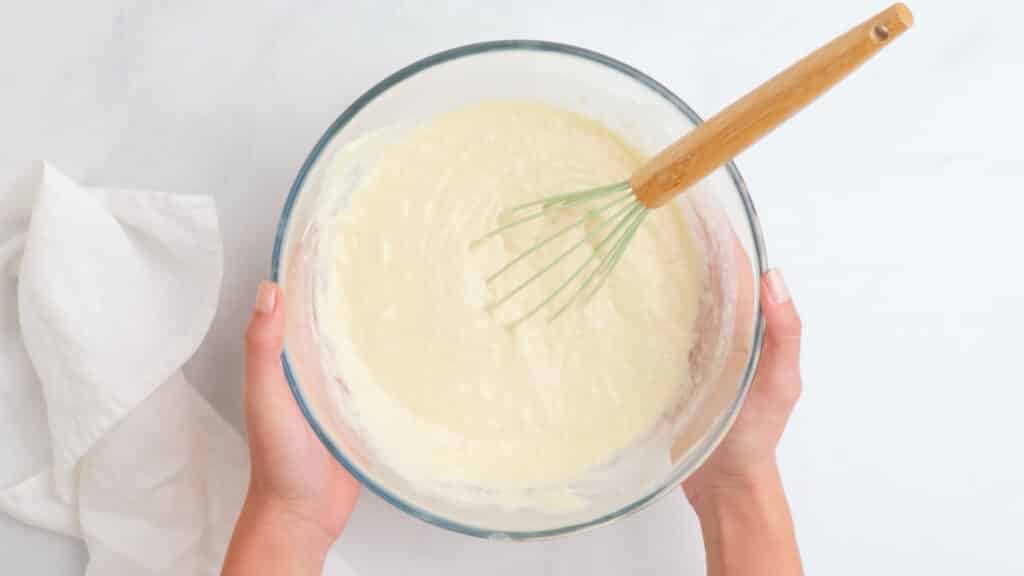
777 286
266 299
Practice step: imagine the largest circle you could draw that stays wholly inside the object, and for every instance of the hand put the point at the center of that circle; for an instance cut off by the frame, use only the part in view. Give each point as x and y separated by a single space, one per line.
299 497
746 456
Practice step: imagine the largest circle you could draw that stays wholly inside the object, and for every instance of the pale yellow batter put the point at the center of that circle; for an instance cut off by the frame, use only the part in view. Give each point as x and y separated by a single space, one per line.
445 391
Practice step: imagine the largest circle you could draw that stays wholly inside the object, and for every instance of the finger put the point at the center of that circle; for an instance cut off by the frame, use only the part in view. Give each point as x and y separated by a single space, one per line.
264 340
783 321
780 364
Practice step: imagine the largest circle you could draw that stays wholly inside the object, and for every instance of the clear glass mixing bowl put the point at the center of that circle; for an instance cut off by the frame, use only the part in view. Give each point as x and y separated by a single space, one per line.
719 210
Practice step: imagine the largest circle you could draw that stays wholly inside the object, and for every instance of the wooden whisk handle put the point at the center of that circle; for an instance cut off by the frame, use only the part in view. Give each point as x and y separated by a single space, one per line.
732 130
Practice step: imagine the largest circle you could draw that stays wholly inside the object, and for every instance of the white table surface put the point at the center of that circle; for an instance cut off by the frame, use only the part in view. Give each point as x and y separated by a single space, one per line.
894 205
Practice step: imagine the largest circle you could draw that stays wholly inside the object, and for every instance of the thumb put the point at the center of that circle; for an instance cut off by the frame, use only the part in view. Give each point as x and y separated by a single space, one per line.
780 364
783 321
264 340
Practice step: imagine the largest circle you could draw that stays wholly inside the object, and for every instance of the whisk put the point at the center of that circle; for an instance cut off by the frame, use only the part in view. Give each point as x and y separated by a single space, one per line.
615 212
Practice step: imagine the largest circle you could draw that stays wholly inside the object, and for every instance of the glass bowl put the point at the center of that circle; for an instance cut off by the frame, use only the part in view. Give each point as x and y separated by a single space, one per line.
719 211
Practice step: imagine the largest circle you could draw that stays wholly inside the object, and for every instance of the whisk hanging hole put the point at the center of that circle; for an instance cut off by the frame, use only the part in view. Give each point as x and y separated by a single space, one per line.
880 33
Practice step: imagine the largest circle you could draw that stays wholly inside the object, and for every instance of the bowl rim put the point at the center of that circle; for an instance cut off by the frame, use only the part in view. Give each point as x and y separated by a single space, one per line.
700 451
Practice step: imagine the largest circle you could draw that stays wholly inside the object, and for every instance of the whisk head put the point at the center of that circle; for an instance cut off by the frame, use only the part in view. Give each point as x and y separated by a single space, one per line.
614 214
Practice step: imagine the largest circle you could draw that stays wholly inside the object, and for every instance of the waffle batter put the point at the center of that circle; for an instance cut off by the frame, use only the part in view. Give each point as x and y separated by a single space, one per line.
445 391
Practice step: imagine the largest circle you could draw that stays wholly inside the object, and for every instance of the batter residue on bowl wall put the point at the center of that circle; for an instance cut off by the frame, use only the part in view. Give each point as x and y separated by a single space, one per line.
445 391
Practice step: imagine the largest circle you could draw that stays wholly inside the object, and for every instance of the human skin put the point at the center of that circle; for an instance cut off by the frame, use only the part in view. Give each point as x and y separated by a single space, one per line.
738 493
299 498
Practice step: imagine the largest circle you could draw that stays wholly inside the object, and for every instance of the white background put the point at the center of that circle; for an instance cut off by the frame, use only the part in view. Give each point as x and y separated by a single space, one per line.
894 206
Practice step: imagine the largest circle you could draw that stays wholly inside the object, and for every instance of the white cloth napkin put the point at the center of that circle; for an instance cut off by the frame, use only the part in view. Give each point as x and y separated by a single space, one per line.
104 295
